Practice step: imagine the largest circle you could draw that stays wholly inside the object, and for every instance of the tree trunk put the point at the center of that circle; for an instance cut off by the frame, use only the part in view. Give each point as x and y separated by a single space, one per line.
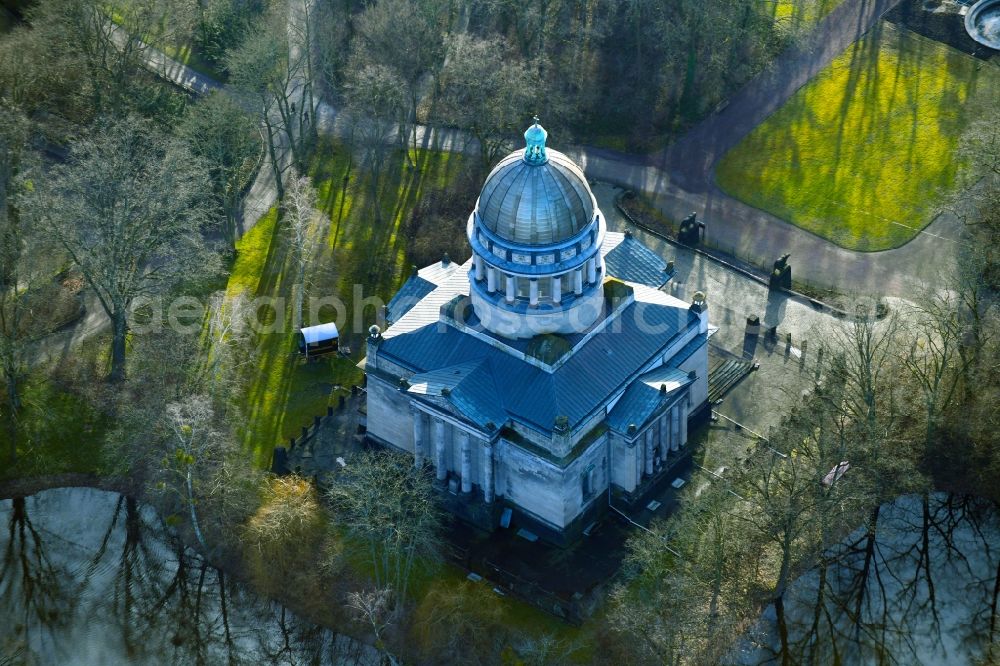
273 154
194 514
119 327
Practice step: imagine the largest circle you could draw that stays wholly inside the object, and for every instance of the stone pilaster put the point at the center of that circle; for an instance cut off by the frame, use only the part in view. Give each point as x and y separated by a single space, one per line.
466 447
557 289
675 427
419 438
439 463
683 421
488 472
648 450
664 434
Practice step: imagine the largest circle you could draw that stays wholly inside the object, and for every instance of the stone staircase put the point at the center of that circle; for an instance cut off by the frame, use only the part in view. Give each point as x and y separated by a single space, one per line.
725 374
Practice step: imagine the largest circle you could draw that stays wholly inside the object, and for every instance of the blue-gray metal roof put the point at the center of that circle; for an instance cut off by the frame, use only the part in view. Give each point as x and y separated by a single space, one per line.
685 352
634 262
643 398
530 395
414 289
470 389
536 203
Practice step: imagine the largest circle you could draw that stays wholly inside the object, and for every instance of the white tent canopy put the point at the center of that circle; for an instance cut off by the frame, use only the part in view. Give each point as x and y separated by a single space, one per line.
320 333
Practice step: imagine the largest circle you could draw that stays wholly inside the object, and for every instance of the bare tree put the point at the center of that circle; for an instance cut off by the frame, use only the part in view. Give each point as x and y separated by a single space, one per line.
373 608
301 220
193 434
113 43
267 73
934 360
390 506
129 207
487 92
17 273
331 28
404 36
230 143
227 347
376 104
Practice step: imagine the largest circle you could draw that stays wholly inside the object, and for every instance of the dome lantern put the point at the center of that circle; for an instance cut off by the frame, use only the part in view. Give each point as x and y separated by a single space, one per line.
534 139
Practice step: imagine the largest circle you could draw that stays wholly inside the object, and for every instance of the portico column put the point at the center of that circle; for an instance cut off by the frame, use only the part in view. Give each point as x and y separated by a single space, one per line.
491 279
479 267
578 281
419 438
675 426
557 289
442 471
463 439
648 440
665 434
684 421
510 289
533 291
488 472
592 270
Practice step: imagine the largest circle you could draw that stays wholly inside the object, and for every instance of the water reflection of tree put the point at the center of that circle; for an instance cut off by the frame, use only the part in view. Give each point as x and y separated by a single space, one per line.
143 587
875 598
158 608
283 638
35 592
136 574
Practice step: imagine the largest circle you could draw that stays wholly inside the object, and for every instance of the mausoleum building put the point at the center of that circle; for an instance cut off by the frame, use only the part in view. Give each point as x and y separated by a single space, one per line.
551 370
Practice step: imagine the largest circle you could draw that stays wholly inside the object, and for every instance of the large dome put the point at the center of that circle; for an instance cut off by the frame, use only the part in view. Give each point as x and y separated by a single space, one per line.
536 197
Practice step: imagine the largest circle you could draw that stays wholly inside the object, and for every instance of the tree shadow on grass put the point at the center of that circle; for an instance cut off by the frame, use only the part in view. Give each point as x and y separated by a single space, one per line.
286 393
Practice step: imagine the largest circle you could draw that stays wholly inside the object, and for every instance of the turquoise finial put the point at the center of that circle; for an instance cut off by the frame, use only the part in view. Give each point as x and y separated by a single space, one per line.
534 138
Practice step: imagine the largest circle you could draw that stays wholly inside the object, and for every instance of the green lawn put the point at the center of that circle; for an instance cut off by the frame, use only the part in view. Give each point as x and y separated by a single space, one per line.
802 13
864 153
286 393
59 431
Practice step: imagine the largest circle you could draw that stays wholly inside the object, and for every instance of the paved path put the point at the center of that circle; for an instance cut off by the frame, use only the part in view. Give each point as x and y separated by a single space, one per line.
679 179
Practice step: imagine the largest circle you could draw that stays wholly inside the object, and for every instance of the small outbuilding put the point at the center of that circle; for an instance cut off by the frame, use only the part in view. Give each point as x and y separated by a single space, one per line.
315 341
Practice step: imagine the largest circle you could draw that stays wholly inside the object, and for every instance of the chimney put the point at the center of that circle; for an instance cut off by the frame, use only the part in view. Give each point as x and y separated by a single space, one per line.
699 306
372 343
